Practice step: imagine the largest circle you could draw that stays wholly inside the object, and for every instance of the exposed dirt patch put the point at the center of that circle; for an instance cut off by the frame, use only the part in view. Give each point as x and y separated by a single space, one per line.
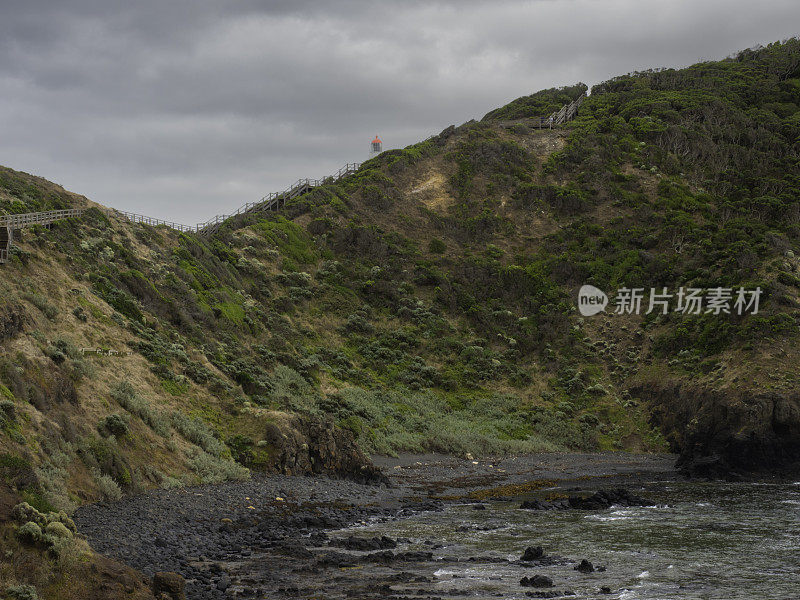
432 191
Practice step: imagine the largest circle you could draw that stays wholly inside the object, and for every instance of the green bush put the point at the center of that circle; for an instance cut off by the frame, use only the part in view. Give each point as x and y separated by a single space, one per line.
57 529
21 592
125 394
115 425
42 304
107 486
197 432
241 447
30 533
436 246
213 469
8 413
52 476
24 512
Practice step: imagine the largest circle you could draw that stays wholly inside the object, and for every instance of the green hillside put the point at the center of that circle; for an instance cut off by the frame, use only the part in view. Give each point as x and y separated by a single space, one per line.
427 303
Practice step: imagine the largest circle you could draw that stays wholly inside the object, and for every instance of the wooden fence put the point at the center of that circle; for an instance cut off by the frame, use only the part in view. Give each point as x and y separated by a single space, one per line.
276 200
273 201
561 116
8 223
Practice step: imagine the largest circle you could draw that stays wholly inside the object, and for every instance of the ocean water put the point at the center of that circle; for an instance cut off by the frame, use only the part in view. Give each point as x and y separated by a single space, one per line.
707 541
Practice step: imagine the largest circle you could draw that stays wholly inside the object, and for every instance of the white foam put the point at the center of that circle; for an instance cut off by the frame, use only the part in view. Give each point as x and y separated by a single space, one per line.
615 515
444 573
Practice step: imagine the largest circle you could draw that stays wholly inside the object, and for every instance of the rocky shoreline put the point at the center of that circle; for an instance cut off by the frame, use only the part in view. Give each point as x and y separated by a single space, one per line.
279 536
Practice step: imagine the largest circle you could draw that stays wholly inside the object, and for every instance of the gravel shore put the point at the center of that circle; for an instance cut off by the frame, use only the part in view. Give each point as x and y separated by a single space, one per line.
276 536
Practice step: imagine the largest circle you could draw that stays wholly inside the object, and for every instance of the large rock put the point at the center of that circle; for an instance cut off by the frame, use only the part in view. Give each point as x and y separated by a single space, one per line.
303 445
170 585
726 433
584 567
532 553
600 500
536 581
365 544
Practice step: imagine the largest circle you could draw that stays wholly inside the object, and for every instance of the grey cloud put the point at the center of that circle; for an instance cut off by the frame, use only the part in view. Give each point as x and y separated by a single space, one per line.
188 108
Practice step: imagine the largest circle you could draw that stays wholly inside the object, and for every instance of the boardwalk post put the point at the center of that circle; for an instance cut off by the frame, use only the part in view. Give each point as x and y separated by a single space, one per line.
6 239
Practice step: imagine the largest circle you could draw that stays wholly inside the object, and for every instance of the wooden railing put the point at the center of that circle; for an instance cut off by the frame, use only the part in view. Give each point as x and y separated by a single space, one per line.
8 223
564 114
275 200
6 239
38 218
137 218
272 201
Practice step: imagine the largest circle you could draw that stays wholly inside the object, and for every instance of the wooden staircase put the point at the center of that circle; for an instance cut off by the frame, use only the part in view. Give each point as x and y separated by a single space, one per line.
559 117
270 202
276 200
8 223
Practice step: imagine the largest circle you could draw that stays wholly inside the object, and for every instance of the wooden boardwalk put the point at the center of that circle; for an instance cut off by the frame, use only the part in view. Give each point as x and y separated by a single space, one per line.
559 117
270 202
8 223
276 200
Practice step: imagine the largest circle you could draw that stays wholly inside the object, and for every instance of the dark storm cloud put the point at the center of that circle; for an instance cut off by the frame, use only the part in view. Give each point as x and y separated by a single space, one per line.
184 109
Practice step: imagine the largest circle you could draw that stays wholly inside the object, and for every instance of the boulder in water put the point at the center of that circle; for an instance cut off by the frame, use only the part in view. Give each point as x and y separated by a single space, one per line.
532 553
585 567
600 500
536 581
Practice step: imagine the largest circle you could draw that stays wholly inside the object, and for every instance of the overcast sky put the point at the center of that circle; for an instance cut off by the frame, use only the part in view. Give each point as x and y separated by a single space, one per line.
183 109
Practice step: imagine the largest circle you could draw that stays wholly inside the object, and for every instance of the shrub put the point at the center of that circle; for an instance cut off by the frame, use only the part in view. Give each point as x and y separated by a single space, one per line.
30 533
61 517
8 415
357 323
57 529
436 246
21 592
375 197
212 469
125 394
115 425
42 304
103 455
107 486
291 391
24 513
54 354
241 449
52 476
68 551
197 432
555 425
36 499
119 300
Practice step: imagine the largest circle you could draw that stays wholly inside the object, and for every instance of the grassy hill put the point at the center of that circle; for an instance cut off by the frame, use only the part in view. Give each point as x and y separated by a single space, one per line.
428 302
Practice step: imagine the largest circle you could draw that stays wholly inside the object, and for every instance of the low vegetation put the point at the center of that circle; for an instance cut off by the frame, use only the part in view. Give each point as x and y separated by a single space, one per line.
425 303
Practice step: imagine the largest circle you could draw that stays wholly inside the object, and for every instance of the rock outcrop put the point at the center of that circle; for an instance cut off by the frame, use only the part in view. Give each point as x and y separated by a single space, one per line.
169 586
304 445
600 500
729 432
